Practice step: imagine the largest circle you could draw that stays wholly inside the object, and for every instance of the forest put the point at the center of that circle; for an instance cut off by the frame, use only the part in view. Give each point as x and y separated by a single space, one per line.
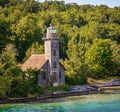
89 42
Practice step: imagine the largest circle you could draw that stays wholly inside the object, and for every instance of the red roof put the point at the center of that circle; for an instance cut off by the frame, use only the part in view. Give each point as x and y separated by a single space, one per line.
34 61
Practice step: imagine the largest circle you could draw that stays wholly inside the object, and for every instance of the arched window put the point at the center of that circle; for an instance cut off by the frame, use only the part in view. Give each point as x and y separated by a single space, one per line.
55 65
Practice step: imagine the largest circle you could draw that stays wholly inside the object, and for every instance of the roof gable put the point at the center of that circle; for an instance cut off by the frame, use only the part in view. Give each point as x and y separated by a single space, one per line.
34 61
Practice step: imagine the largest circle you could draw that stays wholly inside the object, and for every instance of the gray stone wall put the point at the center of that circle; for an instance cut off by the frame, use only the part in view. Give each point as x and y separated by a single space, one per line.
62 79
46 70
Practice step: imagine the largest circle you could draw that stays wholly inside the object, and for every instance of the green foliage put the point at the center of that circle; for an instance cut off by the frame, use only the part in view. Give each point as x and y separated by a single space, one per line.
115 57
23 23
59 88
99 58
26 85
4 86
4 32
75 67
26 32
25 88
3 2
113 31
8 62
36 48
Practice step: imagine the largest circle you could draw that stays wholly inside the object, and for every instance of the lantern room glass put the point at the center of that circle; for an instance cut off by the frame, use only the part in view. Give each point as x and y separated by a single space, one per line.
51 29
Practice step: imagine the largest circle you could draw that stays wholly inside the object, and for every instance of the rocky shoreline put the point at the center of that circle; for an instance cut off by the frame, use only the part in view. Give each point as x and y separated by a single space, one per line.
74 91
95 87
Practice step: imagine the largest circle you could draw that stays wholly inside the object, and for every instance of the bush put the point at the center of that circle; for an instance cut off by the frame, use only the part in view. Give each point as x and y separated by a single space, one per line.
59 88
76 81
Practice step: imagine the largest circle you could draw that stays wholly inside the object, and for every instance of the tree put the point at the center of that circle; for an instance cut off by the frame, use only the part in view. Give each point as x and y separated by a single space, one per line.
99 58
74 64
3 2
32 6
5 83
26 32
24 22
27 84
115 16
8 61
115 57
4 32
113 31
8 69
36 48
93 30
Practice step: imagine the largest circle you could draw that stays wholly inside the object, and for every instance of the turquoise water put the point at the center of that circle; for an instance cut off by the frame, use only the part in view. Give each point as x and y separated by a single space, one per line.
85 103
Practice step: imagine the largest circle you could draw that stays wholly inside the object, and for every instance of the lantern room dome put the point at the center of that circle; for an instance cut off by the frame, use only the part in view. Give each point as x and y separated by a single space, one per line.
51 29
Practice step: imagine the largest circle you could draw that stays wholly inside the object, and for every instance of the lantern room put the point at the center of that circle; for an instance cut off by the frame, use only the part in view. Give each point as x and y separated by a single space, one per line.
51 32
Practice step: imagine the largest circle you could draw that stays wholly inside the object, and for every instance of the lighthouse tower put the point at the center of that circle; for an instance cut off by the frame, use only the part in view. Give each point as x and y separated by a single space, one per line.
53 71
52 52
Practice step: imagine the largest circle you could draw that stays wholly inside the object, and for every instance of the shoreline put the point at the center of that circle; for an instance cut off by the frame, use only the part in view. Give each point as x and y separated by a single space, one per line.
42 97
110 88
51 96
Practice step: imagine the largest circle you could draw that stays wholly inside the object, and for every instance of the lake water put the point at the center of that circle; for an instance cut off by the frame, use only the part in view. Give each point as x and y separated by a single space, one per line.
84 103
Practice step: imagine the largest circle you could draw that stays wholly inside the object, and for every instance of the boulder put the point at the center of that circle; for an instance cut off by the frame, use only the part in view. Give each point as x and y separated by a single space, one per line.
115 82
78 88
60 92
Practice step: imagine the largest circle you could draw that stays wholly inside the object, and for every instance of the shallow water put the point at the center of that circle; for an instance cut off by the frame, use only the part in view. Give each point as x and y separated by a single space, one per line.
84 103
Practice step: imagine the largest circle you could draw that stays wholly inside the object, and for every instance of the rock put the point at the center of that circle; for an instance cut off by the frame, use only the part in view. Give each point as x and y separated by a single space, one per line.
110 83
60 92
79 88
115 82
106 84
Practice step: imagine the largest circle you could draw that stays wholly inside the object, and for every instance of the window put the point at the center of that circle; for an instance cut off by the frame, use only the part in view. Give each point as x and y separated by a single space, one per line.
55 76
60 75
44 75
55 65
54 45
54 52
